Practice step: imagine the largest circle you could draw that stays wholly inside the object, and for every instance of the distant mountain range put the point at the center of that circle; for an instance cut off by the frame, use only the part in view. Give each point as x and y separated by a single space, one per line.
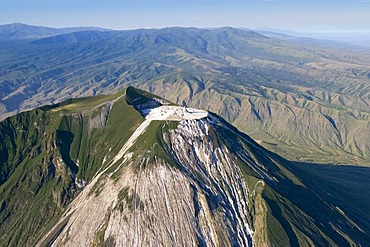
350 37
133 169
22 31
305 99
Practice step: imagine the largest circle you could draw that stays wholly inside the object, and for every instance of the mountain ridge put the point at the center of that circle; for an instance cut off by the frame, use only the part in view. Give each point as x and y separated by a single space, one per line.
244 78
15 31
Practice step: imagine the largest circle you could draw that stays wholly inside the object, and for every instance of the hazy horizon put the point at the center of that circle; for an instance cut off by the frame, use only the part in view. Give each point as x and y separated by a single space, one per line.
333 16
266 29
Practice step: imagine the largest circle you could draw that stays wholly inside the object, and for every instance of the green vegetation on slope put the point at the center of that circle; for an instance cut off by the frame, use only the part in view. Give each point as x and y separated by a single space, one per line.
48 152
151 144
35 184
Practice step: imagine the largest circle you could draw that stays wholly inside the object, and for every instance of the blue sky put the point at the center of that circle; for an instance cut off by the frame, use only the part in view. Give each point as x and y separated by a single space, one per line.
298 15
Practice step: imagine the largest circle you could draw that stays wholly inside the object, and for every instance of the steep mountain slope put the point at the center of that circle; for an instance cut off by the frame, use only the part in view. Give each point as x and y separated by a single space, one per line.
49 153
134 169
307 101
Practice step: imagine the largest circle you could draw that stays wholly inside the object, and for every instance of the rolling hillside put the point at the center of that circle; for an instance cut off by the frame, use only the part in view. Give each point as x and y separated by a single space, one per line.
305 100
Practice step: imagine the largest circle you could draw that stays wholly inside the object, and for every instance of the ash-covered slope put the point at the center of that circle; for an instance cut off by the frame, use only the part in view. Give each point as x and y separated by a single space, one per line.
176 176
195 197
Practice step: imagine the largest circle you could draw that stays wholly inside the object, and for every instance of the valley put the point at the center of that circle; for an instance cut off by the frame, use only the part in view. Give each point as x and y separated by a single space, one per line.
309 101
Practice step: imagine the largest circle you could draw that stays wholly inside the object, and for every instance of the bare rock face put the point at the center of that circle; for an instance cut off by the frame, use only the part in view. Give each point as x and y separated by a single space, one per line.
216 176
145 201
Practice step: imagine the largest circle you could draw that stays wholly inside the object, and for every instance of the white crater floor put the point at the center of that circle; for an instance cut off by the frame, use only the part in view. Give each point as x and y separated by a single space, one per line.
174 113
